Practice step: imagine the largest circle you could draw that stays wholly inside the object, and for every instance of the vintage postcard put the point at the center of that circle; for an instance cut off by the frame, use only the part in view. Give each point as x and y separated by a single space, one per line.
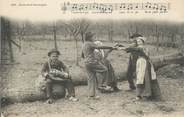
91 58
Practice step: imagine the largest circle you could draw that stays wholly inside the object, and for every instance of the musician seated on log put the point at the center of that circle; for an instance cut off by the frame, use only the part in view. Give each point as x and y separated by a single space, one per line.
55 71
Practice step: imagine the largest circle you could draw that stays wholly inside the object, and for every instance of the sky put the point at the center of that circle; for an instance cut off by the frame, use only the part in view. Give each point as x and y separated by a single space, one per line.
50 10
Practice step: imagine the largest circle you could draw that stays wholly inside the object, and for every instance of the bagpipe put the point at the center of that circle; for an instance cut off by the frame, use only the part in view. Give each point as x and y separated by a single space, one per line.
57 75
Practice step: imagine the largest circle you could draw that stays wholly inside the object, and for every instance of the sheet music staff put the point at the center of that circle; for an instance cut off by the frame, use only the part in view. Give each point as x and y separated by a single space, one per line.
114 7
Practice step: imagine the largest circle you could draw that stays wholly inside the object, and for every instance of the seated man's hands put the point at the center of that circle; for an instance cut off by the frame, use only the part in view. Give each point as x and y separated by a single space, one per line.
58 73
48 76
66 75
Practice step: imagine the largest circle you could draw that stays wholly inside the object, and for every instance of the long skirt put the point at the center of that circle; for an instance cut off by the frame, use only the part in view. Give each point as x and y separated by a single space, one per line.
150 88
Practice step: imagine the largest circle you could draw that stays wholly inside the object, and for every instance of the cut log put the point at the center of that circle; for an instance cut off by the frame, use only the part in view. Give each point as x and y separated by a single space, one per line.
33 94
161 61
79 77
158 62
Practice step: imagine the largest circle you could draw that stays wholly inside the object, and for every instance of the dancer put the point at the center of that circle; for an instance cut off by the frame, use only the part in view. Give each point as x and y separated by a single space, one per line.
110 81
92 65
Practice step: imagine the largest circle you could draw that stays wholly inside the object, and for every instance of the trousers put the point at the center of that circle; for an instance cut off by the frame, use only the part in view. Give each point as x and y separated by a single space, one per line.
67 83
92 69
110 78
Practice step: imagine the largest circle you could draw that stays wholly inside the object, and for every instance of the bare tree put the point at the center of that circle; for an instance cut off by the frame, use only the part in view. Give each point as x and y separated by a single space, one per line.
84 25
73 27
110 31
20 33
54 32
108 26
157 36
76 28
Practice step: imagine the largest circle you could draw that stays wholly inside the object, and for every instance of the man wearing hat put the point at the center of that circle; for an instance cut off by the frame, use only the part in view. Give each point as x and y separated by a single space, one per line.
92 65
54 71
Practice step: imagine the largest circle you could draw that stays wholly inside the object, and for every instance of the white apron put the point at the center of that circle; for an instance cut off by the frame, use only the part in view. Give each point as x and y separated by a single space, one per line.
141 69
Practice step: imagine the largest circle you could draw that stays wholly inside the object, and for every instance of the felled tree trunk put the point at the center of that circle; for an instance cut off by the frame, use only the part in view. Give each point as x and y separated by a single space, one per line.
161 61
33 94
79 77
158 62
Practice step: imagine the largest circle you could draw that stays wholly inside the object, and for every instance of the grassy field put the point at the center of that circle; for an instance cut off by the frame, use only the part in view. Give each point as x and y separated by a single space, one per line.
21 79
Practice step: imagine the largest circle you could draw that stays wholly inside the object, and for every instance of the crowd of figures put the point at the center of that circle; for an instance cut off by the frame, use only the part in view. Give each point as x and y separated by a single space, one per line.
101 75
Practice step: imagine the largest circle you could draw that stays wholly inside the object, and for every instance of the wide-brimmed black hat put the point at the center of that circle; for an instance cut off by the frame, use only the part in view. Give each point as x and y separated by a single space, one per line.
53 51
88 36
135 35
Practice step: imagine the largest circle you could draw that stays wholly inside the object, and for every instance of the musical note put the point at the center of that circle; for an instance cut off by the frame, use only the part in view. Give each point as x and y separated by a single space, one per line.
122 6
74 7
137 6
163 8
94 7
81 7
147 6
130 6
64 8
87 6
102 8
110 8
155 6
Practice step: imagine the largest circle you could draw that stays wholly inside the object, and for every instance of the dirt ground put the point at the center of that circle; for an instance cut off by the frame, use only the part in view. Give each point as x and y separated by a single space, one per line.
114 104
21 78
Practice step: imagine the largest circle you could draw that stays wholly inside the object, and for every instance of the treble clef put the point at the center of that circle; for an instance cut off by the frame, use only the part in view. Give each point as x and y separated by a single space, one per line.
64 7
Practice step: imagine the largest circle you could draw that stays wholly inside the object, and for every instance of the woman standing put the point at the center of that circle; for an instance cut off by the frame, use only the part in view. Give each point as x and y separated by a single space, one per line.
146 82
